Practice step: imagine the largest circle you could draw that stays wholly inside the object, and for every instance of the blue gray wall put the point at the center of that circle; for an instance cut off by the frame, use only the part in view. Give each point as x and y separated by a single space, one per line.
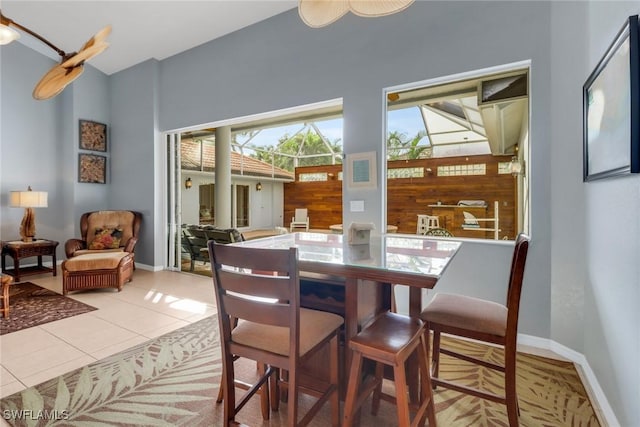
581 286
136 169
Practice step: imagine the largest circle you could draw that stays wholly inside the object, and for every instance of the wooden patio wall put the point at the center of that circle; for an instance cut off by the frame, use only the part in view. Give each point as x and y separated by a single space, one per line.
323 199
409 197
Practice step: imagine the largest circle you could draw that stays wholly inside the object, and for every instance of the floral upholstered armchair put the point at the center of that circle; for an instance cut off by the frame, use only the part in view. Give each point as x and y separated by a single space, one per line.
105 231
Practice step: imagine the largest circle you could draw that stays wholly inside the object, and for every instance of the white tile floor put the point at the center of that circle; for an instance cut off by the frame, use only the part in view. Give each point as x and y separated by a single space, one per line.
149 306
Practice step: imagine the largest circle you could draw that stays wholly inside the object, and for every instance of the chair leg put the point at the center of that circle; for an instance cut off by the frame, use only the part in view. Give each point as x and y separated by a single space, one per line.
284 391
274 390
435 357
513 411
402 400
220 397
352 390
425 380
292 403
377 392
264 394
229 391
333 368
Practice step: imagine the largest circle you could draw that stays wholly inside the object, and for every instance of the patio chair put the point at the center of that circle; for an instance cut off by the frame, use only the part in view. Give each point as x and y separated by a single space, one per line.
300 220
438 232
192 245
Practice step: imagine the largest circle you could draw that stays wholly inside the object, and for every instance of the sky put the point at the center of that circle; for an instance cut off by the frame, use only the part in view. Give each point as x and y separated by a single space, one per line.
331 129
406 121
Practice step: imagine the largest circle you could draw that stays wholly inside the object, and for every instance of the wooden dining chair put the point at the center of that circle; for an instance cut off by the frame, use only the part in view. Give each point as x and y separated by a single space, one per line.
486 321
280 334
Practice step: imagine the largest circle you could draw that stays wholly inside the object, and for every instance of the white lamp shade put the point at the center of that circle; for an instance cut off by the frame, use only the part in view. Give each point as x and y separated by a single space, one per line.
28 199
8 34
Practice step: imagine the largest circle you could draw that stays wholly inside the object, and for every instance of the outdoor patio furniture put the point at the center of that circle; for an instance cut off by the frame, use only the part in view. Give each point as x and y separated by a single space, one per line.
439 232
191 245
427 222
300 220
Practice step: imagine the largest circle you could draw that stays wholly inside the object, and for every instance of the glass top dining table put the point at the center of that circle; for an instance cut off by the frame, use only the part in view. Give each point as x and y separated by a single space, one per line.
365 273
417 261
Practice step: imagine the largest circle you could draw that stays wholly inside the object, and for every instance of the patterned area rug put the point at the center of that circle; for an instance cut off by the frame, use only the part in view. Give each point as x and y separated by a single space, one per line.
31 305
173 380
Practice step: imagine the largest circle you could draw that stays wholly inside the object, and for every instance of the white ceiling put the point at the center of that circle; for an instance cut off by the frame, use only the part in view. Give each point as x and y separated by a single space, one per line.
141 29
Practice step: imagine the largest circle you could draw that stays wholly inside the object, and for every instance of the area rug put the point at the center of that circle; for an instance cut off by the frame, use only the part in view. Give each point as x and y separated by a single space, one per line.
31 305
173 380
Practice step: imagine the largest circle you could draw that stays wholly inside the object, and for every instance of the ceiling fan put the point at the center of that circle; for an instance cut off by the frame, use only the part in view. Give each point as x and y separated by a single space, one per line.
71 64
320 13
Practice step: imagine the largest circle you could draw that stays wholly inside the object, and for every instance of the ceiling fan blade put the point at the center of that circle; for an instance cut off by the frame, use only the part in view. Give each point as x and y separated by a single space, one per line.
56 79
320 13
85 55
99 37
373 8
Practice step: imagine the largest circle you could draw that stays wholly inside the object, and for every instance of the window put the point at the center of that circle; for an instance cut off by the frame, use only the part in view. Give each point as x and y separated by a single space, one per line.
301 148
456 155
207 203
241 206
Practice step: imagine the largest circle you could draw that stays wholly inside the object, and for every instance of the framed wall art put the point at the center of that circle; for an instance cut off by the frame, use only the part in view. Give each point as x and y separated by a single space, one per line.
92 169
611 105
362 170
93 135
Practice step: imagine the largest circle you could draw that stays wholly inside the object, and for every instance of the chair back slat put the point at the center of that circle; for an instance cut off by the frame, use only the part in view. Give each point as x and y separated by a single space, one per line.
301 215
264 312
258 285
271 260
243 277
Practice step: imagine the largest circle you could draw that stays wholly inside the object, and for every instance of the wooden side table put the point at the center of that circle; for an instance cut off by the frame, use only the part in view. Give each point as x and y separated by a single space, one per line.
6 282
18 250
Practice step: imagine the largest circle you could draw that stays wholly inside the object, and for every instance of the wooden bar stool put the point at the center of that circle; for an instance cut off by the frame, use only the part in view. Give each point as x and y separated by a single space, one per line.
390 340
6 282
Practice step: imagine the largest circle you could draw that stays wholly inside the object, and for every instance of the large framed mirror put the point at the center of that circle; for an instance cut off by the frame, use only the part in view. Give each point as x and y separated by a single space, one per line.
457 155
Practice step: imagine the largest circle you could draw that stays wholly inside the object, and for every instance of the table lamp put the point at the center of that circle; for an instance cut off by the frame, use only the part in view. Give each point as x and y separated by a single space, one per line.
28 199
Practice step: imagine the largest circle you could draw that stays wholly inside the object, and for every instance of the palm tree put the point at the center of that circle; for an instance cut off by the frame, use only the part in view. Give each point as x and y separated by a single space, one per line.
400 148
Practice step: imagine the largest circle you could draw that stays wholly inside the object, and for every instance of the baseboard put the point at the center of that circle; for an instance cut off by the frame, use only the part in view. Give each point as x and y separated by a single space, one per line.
603 409
146 267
